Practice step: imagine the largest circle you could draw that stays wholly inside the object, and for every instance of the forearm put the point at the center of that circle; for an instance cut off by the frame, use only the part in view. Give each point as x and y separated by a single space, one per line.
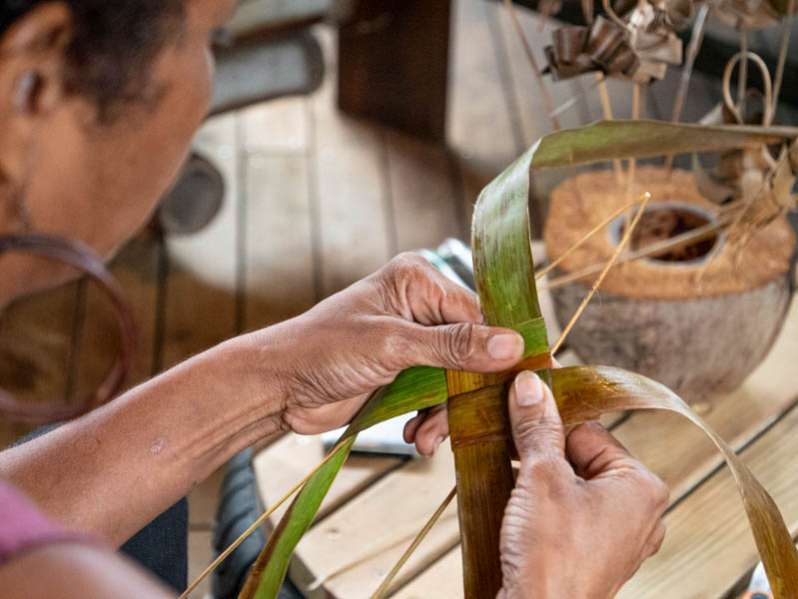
112 471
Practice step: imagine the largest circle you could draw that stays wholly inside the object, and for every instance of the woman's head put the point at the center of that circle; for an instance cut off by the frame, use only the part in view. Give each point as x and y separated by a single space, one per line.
99 100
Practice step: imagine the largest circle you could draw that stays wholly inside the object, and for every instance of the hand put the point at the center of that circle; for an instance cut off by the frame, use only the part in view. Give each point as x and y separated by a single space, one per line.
407 314
584 514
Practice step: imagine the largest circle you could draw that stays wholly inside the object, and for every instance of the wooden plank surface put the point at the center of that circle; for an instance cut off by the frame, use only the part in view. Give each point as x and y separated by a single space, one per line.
136 271
202 284
288 461
444 580
279 279
423 196
480 130
709 546
350 196
354 548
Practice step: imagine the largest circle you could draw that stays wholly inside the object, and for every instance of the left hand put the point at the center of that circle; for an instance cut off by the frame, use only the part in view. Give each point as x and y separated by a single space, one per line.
407 314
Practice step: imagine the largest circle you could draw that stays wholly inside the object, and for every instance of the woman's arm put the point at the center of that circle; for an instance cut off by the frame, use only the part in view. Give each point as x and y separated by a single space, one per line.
112 471
77 572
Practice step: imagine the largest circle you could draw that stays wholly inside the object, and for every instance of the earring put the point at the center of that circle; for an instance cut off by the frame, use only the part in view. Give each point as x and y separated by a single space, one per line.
25 91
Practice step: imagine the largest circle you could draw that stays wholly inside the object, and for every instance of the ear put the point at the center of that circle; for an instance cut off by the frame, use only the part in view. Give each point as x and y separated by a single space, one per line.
32 61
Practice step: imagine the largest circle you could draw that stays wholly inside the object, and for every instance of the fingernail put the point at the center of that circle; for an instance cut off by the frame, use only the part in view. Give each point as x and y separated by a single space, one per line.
505 346
438 442
528 389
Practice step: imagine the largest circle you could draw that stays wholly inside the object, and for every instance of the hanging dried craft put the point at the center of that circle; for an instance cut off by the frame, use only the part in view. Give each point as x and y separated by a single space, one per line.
750 180
639 46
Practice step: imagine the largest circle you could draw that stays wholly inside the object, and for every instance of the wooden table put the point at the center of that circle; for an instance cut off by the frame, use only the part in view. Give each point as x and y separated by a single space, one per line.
378 504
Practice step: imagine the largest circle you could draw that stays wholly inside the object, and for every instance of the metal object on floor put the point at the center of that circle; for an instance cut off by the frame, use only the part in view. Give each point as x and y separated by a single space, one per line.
194 200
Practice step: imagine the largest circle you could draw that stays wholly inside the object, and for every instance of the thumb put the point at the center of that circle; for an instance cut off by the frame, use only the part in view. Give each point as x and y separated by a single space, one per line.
464 346
537 426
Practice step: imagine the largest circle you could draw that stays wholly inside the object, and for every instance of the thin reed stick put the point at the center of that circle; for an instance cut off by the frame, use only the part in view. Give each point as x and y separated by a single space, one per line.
606 107
654 249
784 44
257 523
383 588
627 236
554 264
742 81
696 41
573 101
544 91
632 166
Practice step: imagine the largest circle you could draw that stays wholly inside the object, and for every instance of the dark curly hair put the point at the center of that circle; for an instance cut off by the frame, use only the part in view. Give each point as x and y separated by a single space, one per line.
113 45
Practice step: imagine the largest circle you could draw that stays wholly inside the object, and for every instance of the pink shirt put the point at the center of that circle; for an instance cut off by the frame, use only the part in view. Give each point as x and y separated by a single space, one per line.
23 527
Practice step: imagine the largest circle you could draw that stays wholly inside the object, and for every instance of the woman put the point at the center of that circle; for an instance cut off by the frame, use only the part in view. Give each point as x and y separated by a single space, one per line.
99 100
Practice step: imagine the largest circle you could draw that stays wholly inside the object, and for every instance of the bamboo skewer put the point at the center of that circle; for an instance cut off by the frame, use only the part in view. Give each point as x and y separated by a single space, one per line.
383 588
606 107
256 524
547 99
627 236
696 41
632 167
571 102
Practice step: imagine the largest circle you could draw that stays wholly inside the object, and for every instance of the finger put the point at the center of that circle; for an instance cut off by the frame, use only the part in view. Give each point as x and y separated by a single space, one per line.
432 432
592 450
536 423
654 543
422 294
316 420
464 346
411 426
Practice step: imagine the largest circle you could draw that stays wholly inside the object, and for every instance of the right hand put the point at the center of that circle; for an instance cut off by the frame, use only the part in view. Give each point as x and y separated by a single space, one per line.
584 514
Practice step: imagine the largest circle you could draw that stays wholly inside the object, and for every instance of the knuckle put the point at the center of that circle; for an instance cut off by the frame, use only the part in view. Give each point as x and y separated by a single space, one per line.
407 266
544 469
396 346
543 432
458 343
655 490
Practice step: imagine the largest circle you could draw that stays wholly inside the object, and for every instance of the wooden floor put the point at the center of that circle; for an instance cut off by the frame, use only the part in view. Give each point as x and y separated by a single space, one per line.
315 201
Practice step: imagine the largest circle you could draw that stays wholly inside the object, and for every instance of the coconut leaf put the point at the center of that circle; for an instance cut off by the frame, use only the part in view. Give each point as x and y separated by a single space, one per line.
584 393
504 274
607 140
414 389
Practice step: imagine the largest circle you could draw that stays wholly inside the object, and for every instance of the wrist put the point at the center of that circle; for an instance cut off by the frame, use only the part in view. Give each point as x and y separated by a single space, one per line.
251 376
